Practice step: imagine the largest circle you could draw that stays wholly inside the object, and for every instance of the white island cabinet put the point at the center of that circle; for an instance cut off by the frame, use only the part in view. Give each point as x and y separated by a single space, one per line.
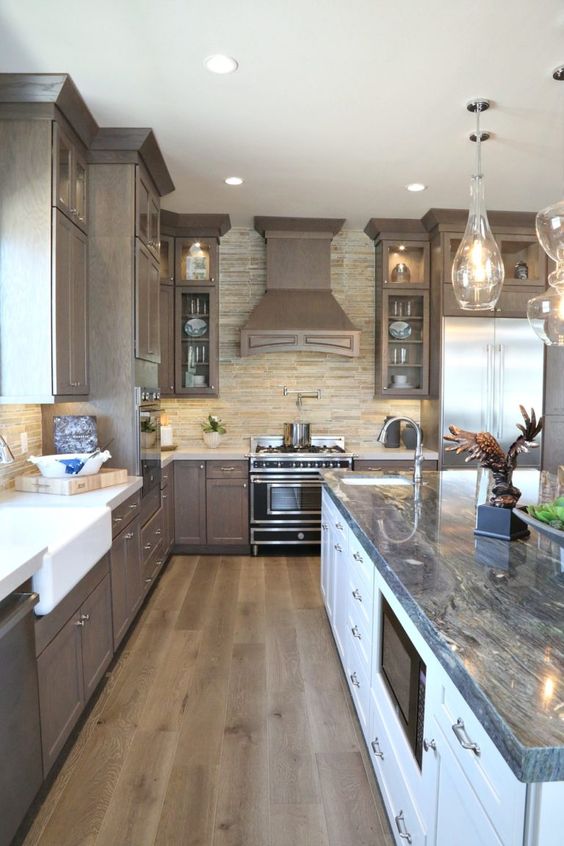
464 793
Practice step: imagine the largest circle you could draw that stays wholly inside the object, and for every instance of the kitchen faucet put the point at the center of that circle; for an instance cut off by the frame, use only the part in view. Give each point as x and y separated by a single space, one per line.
6 454
418 457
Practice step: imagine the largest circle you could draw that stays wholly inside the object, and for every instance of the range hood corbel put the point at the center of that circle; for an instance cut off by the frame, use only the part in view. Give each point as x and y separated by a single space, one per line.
298 311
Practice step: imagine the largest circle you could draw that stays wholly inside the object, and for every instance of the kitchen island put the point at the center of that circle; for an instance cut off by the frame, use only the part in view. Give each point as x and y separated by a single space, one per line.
486 618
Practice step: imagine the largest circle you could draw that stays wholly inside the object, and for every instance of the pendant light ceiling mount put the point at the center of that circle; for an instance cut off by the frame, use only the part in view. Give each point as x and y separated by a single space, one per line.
477 270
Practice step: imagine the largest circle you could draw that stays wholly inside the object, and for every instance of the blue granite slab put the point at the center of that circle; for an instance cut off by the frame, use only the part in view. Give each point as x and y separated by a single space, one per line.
491 611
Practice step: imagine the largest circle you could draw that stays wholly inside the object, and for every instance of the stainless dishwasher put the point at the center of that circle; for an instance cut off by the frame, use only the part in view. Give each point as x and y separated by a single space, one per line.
21 770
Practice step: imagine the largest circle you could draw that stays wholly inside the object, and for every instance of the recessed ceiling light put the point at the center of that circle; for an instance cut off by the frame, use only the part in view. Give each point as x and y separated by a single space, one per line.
221 64
234 180
416 186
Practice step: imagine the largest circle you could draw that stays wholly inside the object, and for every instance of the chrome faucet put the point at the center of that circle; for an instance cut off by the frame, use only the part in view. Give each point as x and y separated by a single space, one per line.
418 457
6 454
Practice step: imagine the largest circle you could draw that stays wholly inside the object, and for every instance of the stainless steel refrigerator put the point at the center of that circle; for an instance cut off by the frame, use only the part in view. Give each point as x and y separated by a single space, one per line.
491 365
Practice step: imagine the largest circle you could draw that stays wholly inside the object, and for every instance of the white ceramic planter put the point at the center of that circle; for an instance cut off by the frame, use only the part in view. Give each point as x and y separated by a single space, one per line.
212 439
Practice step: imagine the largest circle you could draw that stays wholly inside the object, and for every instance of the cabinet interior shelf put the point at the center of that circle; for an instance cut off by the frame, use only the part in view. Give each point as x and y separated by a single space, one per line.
407 317
201 314
202 340
399 341
391 364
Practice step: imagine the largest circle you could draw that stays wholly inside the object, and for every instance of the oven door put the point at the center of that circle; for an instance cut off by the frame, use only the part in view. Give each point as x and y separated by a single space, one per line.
285 500
150 446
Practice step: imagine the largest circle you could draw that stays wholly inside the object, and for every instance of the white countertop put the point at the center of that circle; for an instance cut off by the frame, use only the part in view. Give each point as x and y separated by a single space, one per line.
21 556
195 452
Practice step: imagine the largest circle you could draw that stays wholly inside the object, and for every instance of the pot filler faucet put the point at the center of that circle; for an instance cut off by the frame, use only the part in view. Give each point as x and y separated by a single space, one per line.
418 457
302 395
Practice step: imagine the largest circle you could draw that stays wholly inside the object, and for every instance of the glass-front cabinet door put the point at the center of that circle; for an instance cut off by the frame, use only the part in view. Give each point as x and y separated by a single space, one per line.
196 261
80 196
62 170
167 260
196 319
405 343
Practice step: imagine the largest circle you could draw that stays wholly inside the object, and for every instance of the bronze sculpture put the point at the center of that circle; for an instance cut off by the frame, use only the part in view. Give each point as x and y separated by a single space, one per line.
483 447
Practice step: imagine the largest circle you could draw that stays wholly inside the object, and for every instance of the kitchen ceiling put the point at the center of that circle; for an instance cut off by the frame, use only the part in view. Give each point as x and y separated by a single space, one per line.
336 105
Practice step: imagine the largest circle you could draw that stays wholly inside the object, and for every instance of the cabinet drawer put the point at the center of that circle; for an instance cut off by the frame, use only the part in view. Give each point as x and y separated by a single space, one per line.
359 686
360 562
398 799
359 640
360 596
124 513
152 536
227 469
500 793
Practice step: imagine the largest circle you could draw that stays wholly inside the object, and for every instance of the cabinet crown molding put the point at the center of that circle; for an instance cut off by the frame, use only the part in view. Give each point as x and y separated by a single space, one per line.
187 225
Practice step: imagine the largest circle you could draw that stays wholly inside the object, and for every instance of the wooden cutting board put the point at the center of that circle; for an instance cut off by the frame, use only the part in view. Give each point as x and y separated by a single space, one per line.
69 485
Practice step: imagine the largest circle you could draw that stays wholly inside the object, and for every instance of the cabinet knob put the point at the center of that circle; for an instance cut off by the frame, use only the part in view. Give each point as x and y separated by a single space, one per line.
354 679
85 617
357 595
172 387
339 526
148 581
171 278
338 547
164 496
134 505
148 546
356 633
157 531
129 535
358 557
212 387
429 744
79 623
201 466
376 749
244 484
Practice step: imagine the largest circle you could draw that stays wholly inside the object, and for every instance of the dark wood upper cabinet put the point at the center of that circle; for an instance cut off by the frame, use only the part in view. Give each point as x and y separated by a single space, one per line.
197 261
70 177
190 503
166 367
147 205
196 341
147 292
227 511
70 312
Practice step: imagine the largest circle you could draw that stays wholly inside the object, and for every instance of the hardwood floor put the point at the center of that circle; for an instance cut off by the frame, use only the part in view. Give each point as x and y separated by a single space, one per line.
225 722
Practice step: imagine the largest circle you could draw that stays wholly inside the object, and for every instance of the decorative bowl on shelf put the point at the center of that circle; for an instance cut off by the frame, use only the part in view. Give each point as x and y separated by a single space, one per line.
555 534
195 327
400 330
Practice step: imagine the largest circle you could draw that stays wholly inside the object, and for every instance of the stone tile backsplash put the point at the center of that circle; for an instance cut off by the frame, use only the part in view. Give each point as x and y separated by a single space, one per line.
15 419
251 399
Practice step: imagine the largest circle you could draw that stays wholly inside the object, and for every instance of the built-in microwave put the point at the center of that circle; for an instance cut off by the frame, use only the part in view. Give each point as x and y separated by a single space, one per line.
405 675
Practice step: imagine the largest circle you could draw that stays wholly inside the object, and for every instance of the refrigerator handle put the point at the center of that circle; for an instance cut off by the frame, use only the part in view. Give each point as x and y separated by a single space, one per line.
500 390
487 417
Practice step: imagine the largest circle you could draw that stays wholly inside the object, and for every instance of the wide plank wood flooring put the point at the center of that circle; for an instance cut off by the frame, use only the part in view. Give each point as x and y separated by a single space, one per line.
225 722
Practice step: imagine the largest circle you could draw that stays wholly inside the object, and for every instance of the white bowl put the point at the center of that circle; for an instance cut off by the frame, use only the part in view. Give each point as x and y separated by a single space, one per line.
52 466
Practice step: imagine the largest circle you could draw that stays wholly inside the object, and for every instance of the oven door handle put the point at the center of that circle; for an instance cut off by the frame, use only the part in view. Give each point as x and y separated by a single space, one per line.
282 483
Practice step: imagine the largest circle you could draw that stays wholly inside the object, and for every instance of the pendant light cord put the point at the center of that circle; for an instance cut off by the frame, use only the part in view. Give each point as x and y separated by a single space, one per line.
478 144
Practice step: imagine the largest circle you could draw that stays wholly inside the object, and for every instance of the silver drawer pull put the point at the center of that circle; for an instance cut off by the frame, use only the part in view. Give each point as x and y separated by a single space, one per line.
148 546
85 617
357 595
402 829
128 536
462 737
356 633
354 679
79 623
339 526
118 519
376 749
133 506
324 526
429 744
157 531
227 469
148 581
358 557
338 547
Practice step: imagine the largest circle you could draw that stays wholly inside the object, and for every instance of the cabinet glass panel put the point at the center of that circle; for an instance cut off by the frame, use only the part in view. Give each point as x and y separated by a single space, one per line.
406 263
167 259
80 189
153 223
195 261
404 333
143 210
194 330
63 171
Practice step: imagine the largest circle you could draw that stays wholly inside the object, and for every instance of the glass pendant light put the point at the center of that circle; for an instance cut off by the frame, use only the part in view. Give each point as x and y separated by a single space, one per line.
546 311
477 270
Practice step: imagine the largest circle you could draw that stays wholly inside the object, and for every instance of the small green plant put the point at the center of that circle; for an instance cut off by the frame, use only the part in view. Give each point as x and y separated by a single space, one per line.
148 425
551 513
213 424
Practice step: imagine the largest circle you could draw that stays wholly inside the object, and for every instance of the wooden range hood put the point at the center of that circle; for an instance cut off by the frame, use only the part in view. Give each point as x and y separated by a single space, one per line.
298 310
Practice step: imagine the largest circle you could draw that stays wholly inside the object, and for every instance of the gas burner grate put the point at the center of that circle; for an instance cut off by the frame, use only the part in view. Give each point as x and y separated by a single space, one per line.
290 450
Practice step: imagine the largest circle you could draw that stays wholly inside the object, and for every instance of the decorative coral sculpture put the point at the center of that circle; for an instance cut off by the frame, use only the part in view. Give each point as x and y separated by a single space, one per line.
483 447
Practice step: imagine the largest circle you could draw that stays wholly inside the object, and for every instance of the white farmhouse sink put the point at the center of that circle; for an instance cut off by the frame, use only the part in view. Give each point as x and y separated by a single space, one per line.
75 539
376 481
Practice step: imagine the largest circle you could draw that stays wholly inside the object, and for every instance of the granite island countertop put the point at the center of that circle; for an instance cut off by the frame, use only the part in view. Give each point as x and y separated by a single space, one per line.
492 612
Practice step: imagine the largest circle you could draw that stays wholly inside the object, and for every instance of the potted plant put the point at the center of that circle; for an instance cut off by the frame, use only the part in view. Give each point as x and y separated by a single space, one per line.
148 433
212 431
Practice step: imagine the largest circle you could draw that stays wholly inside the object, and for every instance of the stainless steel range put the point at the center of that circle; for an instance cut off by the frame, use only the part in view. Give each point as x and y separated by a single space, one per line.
286 487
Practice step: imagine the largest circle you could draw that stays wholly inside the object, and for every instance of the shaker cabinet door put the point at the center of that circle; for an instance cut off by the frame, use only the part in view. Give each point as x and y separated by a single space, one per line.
97 640
227 512
70 308
147 292
190 503
166 315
